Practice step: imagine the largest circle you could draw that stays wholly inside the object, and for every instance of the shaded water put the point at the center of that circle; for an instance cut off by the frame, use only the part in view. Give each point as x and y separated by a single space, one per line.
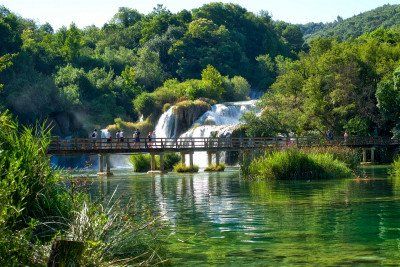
221 219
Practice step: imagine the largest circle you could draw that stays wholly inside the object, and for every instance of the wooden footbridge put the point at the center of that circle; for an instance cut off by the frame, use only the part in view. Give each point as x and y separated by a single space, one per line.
159 146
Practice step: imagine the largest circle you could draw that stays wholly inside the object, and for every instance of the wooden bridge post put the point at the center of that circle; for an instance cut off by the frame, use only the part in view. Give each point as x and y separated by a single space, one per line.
152 162
101 163
217 157
372 154
209 157
162 163
191 160
183 159
108 165
364 155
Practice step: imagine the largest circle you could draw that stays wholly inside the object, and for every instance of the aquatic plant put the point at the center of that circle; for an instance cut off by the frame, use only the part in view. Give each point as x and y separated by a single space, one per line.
350 156
170 160
215 168
297 165
182 168
142 162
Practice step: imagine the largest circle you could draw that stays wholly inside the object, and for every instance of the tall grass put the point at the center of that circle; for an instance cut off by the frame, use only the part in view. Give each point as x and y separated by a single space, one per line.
113 238
215 168
352 157
182 168
297 165
36 207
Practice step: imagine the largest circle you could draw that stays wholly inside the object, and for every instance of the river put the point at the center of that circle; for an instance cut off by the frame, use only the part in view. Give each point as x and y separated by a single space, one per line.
222 219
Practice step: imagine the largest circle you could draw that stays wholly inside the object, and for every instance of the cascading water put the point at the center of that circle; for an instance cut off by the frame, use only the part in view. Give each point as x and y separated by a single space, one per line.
117 161
167 125
220 121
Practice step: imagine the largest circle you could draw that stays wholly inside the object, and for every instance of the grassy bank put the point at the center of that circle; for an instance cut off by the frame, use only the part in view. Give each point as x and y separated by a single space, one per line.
297 165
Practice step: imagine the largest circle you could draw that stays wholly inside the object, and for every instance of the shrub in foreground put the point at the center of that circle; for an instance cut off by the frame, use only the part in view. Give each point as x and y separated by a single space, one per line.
215 168
297 165
182 168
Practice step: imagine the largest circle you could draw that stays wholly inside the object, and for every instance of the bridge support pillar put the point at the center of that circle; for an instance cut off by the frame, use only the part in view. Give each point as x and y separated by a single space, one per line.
101 163
209 158
104 159
364 155
183 159
152 162
191 160
217 158
372 154
162 170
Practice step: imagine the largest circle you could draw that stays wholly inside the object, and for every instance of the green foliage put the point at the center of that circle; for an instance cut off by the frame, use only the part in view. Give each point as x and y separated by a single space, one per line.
350 156
141 162
91 75
170 160
30 191
215 168
381 17
145 104
297 165
182 168
338 86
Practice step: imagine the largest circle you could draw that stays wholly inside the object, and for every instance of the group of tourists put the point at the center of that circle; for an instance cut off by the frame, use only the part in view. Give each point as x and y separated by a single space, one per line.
329 136
119 136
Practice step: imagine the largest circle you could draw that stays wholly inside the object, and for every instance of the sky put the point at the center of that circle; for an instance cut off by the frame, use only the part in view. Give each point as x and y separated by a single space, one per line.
97 12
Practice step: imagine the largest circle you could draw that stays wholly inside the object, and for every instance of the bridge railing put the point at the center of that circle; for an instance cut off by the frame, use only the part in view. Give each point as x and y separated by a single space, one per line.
221 143
82 144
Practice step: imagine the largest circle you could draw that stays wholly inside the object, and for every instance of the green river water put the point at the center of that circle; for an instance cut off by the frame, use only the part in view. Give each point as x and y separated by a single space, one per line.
222 219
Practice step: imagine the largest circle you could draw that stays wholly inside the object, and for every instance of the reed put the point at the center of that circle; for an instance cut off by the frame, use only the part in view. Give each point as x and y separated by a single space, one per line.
215 168
182 168
297 165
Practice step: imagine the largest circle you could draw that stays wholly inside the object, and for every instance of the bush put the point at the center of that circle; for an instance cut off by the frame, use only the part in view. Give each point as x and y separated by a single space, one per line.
297 165
182 168
142 162
215 168
170 160
145 104
34 205
350 156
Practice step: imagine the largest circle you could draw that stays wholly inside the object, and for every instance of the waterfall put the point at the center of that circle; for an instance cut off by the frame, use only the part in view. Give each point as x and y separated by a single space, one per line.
220 121
167 125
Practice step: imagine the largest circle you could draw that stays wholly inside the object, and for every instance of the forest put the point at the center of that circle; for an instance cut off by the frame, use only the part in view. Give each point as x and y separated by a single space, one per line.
137 65
82 78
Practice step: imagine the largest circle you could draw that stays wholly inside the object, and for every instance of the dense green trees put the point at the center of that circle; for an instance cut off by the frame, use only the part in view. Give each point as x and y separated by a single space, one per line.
385 16
92 75
337 86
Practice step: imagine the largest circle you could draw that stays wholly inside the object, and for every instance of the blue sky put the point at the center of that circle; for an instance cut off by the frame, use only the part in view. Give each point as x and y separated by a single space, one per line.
88 12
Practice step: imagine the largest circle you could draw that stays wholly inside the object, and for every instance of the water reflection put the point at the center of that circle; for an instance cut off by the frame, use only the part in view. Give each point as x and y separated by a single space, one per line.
222 219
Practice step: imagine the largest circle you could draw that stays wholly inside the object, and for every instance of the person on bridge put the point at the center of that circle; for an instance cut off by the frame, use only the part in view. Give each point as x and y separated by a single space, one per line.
345 136
329 135
136 136
94 137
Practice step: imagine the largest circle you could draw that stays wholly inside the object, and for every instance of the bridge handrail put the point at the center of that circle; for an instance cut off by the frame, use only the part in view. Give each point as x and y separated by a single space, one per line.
192 143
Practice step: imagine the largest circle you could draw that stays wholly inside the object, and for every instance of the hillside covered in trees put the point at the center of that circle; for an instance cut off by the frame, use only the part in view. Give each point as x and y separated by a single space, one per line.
386 16
137 65
351 86
84 78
